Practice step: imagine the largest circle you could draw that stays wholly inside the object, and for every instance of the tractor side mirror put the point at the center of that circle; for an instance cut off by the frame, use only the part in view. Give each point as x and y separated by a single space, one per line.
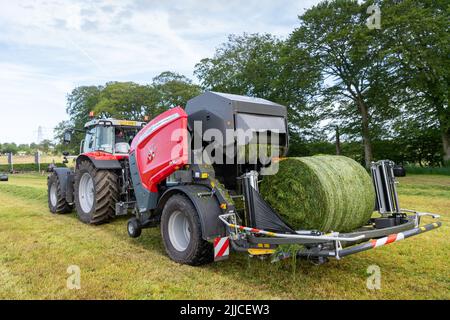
67 137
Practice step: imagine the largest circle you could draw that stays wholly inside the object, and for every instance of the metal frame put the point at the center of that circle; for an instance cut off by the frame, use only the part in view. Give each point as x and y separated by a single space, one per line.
385 187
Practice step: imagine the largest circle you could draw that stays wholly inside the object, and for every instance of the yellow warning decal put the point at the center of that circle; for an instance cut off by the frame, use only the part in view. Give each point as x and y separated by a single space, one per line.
128 123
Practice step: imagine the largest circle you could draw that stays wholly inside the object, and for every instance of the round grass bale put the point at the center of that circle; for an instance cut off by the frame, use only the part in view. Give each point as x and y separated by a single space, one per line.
326 193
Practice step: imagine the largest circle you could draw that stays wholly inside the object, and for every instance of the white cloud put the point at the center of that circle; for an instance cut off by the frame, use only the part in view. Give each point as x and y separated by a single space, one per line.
50 46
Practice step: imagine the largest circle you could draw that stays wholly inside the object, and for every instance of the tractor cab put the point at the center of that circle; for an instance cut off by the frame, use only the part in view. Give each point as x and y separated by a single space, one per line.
110 136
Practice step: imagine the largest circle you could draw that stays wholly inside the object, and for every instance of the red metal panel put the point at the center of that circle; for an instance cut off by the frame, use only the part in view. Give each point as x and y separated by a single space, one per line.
161 147
101 155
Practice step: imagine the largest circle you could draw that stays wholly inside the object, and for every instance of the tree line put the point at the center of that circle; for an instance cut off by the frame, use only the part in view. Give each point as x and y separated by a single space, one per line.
350 88
45 146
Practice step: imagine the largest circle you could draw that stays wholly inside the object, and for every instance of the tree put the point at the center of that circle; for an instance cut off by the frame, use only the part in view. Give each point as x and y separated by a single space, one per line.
174 89
46 146
417 42
24 148
261 65
349 56
80 102
244 65
9 148
123 100
127 100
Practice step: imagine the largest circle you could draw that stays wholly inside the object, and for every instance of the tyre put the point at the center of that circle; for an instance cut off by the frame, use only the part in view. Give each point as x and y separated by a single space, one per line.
182 234
56 202
134 228
96 193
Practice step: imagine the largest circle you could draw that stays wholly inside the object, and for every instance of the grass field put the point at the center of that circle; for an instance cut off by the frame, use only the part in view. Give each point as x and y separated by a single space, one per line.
36 248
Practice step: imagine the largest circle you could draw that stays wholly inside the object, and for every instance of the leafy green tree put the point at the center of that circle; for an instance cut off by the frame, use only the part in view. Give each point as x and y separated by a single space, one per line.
80 102
9 148
24 148
263 66
349 57
174 89
244 65
123 100
46 146
416 38
127 100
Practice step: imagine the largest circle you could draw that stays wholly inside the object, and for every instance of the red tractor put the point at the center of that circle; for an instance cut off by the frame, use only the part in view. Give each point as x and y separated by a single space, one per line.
98 187
206 209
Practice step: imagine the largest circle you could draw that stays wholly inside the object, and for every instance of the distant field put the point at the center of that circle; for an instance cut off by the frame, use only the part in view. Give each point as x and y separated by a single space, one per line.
37 247
30 159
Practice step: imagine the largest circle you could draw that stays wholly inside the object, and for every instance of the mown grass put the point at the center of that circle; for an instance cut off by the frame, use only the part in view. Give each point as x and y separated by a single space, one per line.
37 247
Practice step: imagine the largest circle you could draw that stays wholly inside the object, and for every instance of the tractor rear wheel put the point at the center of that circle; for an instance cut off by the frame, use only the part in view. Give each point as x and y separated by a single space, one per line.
56 202
96 193
182 234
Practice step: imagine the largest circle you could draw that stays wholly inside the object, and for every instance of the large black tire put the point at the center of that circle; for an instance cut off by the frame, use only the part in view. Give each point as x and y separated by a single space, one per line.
56 202
198 251
105 189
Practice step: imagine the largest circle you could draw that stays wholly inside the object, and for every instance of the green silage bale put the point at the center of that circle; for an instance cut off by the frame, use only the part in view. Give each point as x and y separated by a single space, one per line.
326 193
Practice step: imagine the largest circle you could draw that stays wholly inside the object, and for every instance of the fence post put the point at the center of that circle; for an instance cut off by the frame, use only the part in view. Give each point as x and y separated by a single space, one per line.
11 161
37 160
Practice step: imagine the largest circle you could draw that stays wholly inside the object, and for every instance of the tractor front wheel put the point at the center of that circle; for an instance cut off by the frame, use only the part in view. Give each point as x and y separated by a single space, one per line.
96 193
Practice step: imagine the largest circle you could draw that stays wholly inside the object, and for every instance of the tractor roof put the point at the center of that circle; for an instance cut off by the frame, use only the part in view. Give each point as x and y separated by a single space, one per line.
115 123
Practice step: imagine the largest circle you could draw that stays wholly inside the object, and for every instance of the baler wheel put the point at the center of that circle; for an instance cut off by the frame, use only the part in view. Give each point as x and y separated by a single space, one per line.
182 233
134 228
96 193
56 202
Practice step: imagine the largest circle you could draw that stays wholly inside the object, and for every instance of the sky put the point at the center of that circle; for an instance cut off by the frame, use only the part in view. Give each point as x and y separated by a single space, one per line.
49 47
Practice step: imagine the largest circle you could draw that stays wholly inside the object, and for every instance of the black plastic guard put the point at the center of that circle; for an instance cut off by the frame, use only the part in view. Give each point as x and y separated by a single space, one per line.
266 218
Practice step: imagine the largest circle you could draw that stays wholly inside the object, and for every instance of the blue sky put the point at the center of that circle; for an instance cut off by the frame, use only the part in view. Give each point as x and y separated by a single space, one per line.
48 47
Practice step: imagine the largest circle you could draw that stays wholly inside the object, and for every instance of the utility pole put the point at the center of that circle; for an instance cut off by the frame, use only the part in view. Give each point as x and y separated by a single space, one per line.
40 135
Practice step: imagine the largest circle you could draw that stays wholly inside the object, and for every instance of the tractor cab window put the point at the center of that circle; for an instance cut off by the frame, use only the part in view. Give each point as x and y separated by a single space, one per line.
104 139
89 141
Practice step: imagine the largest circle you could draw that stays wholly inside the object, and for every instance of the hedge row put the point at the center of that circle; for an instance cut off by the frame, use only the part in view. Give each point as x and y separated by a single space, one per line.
27 167
428 170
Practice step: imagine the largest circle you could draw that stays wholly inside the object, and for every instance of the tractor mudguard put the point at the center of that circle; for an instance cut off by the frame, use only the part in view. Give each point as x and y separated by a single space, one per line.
103 162
106 164
65 177
207 206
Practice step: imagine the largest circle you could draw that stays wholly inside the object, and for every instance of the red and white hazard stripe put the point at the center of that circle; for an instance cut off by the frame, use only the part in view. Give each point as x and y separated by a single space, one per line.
386 240
221 248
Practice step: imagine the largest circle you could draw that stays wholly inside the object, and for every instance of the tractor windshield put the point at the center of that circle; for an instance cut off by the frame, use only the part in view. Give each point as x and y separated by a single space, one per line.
123 138
110 139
